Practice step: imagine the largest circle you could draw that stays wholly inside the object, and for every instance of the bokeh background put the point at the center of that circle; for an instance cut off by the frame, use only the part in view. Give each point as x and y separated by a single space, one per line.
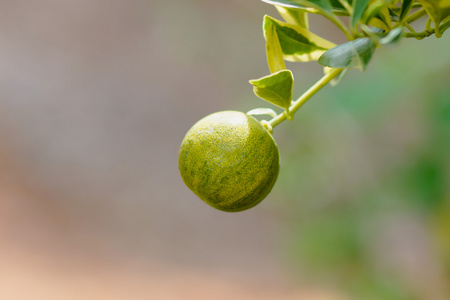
95 98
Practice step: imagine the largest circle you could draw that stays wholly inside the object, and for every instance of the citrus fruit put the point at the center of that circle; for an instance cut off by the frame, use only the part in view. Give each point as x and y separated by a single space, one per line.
229 160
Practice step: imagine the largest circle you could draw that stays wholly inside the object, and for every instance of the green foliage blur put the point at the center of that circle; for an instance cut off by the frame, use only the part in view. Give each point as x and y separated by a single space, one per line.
364 185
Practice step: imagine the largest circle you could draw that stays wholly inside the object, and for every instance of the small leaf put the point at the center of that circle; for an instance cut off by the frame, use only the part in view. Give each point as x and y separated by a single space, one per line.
359 7
379 23
354 54
323 4
323 7
392 37
438 10
273 51
385 16
392 15
377 14
297 44
327 5
262 111
406 8
372 30
275 88
284 3
294 16
340 4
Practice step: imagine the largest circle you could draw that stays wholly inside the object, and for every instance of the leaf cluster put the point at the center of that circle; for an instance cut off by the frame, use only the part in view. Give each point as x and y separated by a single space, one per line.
367 25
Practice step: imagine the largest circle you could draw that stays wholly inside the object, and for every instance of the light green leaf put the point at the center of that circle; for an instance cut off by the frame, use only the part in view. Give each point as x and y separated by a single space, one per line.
294 16
327 5
329 9
354 54
444 26
345 4
262 111
385 16
275 88
273 50
323 4
297 43
376 22
392 37
438 10
284 3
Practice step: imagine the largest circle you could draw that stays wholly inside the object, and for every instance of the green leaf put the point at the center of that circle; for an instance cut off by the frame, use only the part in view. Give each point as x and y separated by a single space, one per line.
354 54
273 50
275 88
294 16
359 7
377 22
385 16
284 3
406 8
337 4
393 16
377 14
444 26
323 5
262 111
438 10
342 5
392 37
297 43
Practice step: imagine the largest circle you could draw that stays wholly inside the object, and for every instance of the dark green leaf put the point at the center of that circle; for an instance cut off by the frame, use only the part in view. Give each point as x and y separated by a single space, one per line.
393 15
337 5
406 7
359 7
354 54
275 88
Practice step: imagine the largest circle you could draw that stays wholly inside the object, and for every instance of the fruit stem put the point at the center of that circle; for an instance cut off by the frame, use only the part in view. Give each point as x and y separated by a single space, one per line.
305 97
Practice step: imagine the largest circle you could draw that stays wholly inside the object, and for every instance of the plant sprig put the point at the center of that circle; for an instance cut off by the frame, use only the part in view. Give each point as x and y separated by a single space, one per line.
371 24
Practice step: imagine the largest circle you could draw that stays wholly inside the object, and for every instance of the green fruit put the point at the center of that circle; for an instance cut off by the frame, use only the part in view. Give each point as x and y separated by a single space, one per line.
229 160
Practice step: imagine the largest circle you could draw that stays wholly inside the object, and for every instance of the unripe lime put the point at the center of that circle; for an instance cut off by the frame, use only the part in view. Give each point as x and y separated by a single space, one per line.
229 160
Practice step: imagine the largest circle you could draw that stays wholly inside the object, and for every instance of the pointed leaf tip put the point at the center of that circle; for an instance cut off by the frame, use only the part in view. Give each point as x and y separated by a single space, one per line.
275 88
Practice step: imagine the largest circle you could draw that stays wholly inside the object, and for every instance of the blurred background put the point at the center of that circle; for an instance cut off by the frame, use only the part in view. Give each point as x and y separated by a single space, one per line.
95 98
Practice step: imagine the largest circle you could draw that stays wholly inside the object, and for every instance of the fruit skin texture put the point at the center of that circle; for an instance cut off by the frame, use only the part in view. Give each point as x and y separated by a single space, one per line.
229 160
